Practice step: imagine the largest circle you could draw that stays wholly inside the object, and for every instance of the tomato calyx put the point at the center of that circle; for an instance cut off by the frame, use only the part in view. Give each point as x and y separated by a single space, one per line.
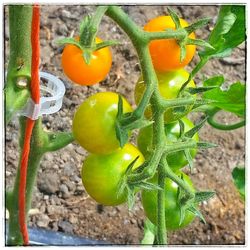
183 39
127 122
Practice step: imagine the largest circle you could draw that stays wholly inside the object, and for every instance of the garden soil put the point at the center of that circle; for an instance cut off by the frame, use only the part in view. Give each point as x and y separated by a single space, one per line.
60 202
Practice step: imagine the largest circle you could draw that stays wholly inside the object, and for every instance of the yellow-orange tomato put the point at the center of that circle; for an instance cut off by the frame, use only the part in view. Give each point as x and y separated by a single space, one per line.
79 72
165 53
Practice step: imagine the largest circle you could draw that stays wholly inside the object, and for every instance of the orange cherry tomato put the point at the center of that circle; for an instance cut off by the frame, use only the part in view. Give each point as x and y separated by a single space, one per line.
76 69
165 53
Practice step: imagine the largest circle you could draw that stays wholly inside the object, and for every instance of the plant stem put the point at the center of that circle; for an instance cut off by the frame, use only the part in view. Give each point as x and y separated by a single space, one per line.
221 126
161 221
15 237
16 95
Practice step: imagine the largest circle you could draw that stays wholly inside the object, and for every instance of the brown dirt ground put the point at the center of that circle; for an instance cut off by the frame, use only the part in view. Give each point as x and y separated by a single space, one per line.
69 208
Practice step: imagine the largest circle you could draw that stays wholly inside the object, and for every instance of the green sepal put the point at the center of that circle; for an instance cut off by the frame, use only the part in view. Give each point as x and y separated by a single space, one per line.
130 166
121 133
147 186
197 25
205 145
203 196
84 24
131 197
182 128
174 17
87 56
106 44
199 42
190 133
183 53
189 159
69 40
197 213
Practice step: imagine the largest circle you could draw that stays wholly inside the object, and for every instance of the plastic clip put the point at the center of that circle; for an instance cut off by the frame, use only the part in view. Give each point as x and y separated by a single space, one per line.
52 90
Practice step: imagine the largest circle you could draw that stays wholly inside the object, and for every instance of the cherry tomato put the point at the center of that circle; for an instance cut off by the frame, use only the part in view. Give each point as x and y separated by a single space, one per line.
175 160
172 208
169 84
101 174
165 53
94 122
76 69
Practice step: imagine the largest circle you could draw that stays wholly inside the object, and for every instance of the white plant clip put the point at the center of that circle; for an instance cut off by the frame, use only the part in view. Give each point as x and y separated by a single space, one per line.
52 91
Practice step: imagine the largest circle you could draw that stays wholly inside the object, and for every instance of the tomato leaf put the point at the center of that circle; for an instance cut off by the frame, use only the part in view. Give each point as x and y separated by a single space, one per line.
203 196
238 175
214 81
197 90
231 100
149 233
228 32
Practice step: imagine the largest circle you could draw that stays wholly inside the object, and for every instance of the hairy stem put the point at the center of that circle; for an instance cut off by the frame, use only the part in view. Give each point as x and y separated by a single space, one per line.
18 77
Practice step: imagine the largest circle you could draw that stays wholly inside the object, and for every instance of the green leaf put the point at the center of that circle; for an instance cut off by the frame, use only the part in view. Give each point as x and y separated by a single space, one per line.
197 90
203 196
214 81
149 233
228 32
231 100
238 175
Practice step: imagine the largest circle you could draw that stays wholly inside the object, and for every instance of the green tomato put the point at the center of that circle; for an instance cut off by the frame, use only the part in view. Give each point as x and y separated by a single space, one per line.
101 174
169 84
94 122
175 160
172 208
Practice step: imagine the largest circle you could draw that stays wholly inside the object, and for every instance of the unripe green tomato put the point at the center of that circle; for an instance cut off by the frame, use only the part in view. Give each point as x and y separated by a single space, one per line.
176 160
172 208
94 122
101 174
169 84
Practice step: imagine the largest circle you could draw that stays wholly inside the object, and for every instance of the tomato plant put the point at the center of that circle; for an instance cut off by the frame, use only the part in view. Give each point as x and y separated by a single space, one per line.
94 122
166 53
78 71
175 160
101 174
104 122
169 84
172 208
